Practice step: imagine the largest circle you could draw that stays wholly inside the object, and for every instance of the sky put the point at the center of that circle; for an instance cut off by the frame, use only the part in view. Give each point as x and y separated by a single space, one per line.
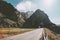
50 7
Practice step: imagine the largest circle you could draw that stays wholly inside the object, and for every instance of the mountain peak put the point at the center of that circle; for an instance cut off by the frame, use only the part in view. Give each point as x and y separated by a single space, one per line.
38 18
38 10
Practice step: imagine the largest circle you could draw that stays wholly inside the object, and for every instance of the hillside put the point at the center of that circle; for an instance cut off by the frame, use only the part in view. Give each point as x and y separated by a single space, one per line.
51 35
8 10
9 16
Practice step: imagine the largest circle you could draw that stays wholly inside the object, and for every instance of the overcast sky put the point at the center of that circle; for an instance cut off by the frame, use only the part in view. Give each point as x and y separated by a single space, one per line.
50 7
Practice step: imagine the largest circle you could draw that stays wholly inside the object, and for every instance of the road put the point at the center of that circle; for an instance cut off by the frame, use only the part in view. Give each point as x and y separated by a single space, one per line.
32 35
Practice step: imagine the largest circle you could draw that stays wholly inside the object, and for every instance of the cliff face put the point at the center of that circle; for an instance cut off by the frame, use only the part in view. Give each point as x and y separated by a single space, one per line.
9 16
38 18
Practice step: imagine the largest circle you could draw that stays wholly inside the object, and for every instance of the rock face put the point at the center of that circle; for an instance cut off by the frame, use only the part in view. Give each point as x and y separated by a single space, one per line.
9 16
8 10
27 14
24 14
38 18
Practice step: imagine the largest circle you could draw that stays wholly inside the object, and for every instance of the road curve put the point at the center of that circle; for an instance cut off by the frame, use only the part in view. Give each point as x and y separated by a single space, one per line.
32 35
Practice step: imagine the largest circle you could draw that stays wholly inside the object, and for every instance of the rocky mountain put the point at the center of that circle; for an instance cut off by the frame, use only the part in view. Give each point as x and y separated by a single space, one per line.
24 14
9 16
27 14
38 18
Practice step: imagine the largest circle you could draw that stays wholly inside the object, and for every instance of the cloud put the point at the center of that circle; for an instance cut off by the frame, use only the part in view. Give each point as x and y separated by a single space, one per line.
25 6
55 20
49 3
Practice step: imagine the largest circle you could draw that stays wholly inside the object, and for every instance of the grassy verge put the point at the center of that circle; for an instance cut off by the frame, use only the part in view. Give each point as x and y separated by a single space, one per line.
5 32
51 35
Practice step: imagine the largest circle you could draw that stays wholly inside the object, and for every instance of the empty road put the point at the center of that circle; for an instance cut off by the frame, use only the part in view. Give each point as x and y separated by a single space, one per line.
32 35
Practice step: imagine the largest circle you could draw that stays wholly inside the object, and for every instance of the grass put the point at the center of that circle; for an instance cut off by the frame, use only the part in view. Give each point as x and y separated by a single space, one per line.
5 32
51 35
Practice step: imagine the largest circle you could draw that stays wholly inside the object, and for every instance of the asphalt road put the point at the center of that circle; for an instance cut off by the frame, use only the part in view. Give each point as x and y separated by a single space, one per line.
32 35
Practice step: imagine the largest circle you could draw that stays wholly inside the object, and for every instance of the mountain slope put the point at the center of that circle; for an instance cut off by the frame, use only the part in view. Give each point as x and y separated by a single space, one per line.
8 10
9 16
38 18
